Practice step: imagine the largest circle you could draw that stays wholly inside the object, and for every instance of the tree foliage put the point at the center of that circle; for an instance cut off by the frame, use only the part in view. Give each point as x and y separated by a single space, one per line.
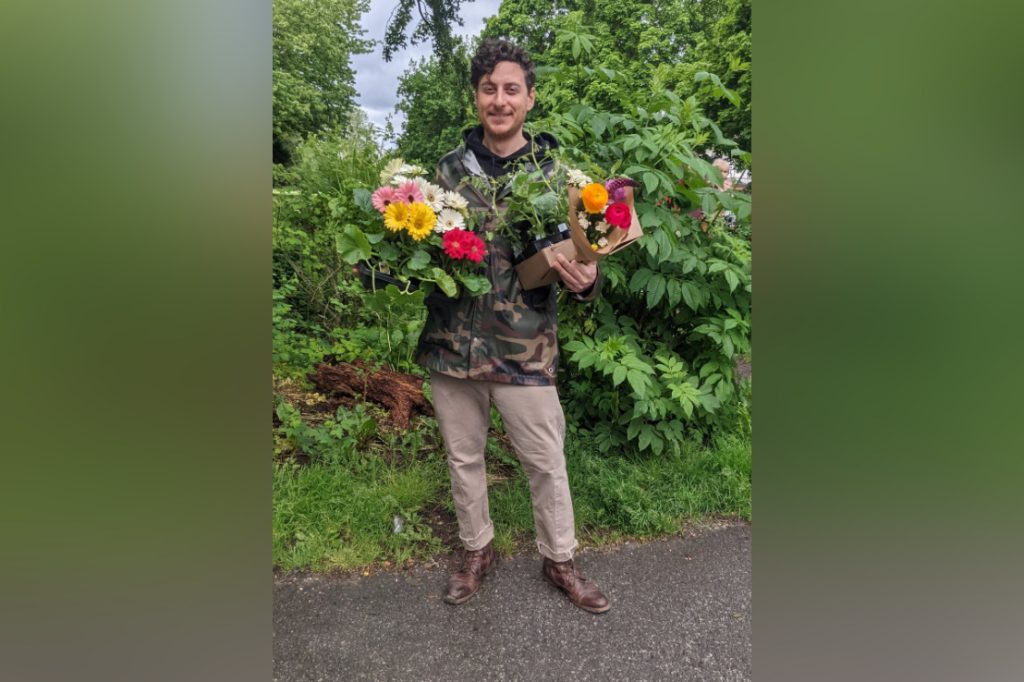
437 100
313 81
652 45
437 17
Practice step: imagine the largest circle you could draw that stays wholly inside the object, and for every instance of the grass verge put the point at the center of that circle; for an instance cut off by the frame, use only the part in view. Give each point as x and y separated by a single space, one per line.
338 511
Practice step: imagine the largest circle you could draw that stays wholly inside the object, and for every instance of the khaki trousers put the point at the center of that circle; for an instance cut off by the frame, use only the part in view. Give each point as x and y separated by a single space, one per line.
534 422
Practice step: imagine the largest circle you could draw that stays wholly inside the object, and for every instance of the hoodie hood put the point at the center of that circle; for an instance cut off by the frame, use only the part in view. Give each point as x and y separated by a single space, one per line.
496 166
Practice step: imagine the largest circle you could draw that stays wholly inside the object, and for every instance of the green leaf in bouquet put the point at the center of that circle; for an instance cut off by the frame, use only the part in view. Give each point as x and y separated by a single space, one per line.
363 200
388 252
353 245
445 282
475 284
545 203
374 237
419 260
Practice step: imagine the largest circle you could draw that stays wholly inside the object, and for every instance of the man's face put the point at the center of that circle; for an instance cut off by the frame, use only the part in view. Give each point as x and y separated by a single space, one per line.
502 101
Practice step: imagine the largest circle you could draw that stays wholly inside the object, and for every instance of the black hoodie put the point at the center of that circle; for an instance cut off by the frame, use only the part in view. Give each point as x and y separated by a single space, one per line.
496 166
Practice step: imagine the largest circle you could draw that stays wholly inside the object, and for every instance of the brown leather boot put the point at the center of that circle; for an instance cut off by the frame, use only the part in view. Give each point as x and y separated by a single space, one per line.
464 584
582 592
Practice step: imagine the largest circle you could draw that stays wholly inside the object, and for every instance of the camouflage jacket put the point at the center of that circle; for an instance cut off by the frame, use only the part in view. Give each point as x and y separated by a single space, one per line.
504 335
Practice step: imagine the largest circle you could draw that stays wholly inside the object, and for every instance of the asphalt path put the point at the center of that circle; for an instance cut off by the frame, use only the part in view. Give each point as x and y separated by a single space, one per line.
680 611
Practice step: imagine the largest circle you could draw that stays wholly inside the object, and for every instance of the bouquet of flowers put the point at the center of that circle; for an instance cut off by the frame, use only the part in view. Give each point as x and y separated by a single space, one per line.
421 234
591 220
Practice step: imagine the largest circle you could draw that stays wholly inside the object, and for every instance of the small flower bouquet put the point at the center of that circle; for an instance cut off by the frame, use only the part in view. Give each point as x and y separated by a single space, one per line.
601 221
421 235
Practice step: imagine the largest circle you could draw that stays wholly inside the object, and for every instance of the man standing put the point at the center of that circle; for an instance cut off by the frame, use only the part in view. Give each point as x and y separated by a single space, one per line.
502 347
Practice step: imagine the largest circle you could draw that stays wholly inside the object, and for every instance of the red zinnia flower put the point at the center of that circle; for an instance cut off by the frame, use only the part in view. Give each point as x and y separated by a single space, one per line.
618 215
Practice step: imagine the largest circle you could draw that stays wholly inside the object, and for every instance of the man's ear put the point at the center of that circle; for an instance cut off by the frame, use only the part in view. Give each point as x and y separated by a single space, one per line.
532 98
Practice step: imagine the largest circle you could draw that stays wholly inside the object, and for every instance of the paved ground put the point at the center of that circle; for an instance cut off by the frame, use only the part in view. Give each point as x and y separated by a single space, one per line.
680 610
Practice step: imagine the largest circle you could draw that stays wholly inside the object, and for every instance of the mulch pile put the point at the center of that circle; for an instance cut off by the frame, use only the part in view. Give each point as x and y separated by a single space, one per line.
401 394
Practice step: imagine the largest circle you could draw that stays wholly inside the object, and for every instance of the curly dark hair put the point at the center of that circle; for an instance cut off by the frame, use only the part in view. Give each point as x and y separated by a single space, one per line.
494 50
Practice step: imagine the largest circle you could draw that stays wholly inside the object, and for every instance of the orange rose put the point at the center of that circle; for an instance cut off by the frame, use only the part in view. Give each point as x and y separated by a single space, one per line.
594 196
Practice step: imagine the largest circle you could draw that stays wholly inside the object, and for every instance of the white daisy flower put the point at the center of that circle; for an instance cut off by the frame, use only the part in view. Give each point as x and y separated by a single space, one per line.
456 201
602 242
602 226
578 178
393 168
583 220
433 196
449 219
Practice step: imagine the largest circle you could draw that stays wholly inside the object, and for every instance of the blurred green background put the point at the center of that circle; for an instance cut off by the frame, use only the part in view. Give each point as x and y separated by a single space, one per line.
136 333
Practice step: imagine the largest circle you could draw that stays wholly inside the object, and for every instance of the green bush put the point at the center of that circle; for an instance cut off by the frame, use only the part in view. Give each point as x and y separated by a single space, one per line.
654 358
311 209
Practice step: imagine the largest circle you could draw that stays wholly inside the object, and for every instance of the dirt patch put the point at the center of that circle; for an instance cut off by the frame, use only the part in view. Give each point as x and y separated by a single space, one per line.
444 525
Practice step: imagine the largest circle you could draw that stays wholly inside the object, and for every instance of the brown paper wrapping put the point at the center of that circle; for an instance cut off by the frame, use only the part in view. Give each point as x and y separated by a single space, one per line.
536 271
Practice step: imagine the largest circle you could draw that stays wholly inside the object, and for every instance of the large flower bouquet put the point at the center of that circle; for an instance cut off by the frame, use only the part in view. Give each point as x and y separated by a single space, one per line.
417 233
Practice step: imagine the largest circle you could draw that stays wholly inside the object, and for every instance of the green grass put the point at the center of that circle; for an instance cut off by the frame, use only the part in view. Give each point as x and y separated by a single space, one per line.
337 511
329 517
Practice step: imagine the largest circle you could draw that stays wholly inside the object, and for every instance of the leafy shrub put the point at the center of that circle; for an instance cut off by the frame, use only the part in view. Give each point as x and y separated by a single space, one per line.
310 211
655 356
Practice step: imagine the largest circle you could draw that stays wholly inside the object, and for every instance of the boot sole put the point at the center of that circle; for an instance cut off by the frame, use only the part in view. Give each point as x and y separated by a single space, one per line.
589 609
488 571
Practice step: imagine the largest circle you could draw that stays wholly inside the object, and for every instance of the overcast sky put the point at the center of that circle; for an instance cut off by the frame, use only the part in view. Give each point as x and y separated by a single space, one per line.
377 80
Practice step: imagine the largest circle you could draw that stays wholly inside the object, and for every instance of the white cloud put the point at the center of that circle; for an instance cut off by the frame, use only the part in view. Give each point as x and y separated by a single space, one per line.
377 80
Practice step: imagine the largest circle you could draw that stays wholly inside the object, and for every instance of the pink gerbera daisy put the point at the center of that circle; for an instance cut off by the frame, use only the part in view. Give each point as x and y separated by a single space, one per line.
409 192
454 243
384 196
474 248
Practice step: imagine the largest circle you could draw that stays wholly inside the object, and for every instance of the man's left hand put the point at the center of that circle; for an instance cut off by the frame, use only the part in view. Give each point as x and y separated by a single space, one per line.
576 276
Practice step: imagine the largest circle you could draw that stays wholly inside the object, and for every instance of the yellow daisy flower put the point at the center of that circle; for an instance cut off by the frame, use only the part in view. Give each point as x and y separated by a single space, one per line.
396 215
421 220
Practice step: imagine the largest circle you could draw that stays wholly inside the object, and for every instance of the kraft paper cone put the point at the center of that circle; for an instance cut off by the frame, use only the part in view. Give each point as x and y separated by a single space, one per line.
617 237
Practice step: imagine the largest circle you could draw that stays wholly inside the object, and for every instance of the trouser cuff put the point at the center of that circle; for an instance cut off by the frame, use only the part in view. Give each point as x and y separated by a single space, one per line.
564 555
481 539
